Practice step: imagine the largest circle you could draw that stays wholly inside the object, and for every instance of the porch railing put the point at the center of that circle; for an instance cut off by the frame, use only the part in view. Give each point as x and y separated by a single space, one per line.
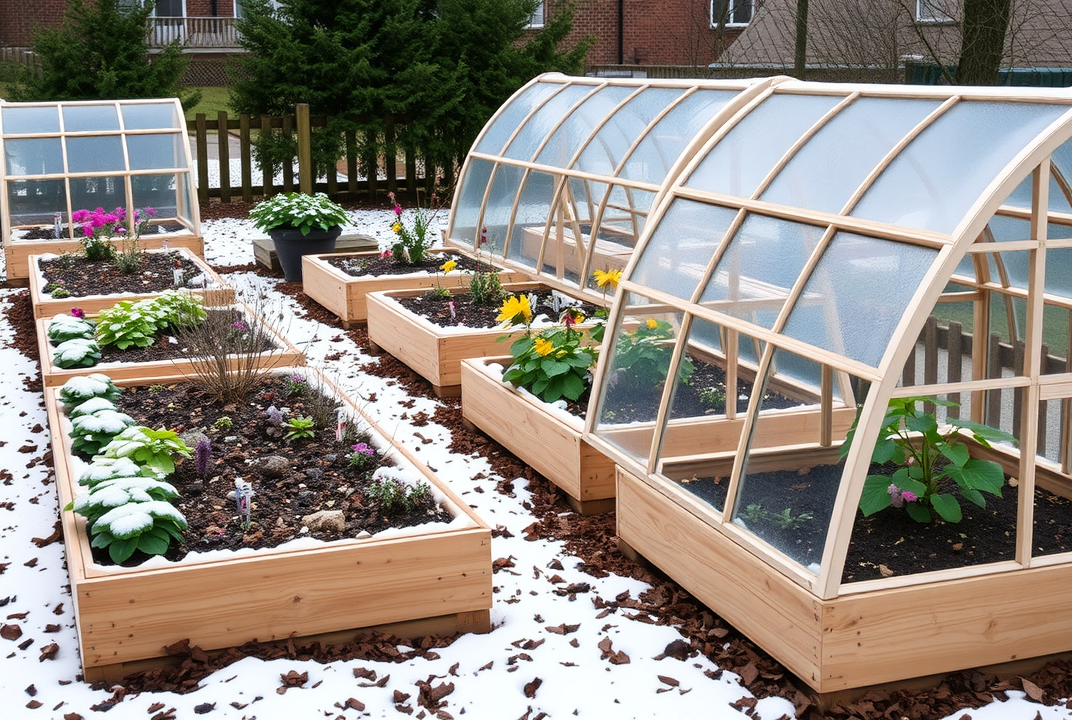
194 32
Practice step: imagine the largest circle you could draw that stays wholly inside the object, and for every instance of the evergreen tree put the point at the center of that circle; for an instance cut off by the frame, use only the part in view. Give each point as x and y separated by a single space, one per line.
101 52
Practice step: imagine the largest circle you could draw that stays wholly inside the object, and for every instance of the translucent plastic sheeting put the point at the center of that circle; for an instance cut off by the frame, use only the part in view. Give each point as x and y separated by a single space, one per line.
749 151
607 149
537 128
841 308
495 137
470 198
575 129
30 120
151 116
830 167
933 182
90 118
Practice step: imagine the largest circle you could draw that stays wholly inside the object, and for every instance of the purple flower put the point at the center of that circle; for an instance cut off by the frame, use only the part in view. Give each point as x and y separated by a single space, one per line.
274 416
909 496
363 449
239 325
202 455
78 312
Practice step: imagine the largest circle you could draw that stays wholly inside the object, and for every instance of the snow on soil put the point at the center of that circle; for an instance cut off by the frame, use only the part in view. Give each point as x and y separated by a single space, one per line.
576 682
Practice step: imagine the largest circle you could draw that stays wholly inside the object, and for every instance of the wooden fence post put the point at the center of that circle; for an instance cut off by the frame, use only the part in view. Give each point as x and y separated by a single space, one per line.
267 169
305 149
202 158
244 149
224 139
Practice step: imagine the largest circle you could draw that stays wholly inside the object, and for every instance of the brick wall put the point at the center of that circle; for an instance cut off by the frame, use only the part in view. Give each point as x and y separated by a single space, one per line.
18 19
203 8
673 32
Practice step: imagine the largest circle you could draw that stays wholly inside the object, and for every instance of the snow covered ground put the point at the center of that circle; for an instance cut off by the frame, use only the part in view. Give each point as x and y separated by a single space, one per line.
488 675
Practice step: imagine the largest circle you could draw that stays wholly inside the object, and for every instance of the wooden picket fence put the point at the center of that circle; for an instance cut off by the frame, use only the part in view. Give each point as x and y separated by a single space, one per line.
402 172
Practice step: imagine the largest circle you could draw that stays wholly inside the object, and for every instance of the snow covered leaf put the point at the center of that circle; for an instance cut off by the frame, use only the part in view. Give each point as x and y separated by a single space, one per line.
108 422
79 389
133 519
77 352
107 468
91 406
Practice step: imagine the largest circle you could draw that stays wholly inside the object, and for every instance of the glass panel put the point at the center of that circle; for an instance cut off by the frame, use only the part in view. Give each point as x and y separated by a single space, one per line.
157 192
534 207
35 202
1052 532
1059 272
1055 332
498 133
603 155
1061 164
156 152
786 499
680 248
504 188
82 118
30 120
763 260
88 193
540 125
1021 196
933 181
639 365
151 116
470 199
837 159
741 159
95 154
578 127
662 146
906 527
839 309
34 156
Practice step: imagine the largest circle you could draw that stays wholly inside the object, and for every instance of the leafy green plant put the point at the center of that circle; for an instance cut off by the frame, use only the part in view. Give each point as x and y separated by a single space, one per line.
129 258
362 455
439 292
391 492
554 363
129 323
76 352
222 423
485 288
756 514
79 389
68 327
713 397
931 458
155 449
146 526
411 242
57 291
91 431
179 309
296 385
297 210
299 427
106 495
642 356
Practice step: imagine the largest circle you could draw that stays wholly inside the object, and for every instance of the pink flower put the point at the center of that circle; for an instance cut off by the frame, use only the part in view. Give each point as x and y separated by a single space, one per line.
909 496
78 312
79 216
385 254
398 209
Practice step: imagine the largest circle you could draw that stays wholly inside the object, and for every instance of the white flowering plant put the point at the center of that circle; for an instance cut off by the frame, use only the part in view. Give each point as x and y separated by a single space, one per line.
297 210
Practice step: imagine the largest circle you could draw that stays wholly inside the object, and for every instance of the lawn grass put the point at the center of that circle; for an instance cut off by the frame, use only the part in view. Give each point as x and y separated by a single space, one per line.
213 99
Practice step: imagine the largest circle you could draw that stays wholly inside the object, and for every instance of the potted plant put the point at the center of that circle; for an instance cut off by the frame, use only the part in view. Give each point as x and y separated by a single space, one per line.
299 224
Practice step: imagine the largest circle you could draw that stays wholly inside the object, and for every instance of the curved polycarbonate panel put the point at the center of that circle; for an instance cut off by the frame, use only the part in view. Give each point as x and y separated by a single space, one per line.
88 118
505 184
661 147
677 254
748 152
30 120
156 152
1059 272
933 182
1022 195
470 199
536 129
533 209
502 128
34 156
841 311
825 173
102 153
575 130
150 116
753 277
607 149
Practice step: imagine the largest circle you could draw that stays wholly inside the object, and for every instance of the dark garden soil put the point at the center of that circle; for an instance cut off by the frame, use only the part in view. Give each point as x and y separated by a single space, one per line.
290 480
79 277
592 539
49 232
374 266
458 309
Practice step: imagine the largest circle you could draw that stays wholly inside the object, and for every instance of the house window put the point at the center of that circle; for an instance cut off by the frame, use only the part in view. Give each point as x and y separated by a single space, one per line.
731 12
536 21
934 11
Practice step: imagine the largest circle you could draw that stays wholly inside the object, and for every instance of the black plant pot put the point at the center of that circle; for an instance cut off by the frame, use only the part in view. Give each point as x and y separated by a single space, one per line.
290 245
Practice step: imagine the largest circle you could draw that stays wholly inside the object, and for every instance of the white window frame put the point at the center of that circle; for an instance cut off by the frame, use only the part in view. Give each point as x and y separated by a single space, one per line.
934 12
735 7
537 19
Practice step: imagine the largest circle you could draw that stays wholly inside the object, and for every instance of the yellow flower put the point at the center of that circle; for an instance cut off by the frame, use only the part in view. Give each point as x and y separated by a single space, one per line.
515 309
610 277
544 346
652 324
448 266
397 227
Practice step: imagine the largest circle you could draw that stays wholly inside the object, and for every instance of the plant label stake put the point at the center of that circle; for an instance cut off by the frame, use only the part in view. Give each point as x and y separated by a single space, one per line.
176 274
340 423
57 225
243 494
453 315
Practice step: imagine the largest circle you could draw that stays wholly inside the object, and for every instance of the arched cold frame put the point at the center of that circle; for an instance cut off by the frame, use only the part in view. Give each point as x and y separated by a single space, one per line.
826 265
561 180
60 157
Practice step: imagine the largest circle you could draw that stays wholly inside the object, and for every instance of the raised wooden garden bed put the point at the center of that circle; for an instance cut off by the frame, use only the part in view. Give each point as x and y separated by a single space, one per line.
608 254
546 438
344 294
282 355
433 352
215 291
17 252
429 579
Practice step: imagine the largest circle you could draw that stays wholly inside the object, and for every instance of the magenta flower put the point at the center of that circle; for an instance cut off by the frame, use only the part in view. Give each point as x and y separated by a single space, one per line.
385 254
909 496
398 209
78 312
363 449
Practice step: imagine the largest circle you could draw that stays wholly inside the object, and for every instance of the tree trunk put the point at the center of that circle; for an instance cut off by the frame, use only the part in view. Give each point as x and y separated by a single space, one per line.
984 26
